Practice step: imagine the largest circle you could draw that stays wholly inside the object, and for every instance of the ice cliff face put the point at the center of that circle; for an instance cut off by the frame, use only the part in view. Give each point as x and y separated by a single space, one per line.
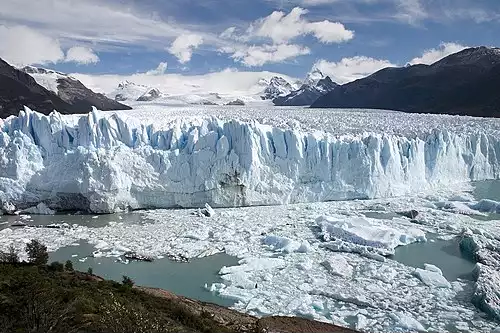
103 163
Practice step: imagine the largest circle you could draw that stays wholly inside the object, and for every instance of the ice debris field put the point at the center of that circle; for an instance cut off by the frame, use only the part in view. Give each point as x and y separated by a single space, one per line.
305 257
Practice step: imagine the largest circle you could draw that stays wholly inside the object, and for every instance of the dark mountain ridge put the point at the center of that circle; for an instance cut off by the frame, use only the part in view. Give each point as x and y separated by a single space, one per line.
464 83
19 89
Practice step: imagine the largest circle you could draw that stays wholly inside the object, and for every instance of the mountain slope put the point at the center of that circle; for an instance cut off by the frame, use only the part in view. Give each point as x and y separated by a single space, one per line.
18 89
463 83
72 91
309 92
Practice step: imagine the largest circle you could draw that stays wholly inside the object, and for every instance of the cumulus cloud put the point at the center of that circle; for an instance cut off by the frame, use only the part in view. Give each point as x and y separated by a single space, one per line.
282 27
81 55
432 55
259 55
160 70
183 46
278 26
350 69
21 45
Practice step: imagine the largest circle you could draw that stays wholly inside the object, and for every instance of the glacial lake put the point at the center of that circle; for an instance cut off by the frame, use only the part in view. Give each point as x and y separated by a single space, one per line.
185 279
444 254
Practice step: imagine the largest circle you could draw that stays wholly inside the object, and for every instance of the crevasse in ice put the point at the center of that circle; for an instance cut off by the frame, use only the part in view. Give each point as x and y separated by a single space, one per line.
107 162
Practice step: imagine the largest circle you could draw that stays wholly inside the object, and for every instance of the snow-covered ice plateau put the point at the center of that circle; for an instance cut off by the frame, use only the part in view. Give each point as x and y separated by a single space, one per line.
186 157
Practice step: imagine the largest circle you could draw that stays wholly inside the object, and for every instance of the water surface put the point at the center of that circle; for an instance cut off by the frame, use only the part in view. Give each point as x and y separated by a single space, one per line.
186 279
444 254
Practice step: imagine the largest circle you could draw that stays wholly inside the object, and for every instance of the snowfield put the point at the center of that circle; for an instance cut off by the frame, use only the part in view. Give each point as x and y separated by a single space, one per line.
227 157
312 254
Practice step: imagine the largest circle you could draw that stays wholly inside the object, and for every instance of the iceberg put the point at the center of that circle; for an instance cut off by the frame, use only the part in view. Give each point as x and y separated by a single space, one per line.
108 162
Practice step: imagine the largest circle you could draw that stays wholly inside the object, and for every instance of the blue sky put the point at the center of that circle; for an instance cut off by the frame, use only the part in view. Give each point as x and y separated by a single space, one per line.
345 38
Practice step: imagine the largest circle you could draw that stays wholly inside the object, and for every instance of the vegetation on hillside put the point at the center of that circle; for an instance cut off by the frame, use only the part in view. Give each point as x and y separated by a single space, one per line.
36 297
39 297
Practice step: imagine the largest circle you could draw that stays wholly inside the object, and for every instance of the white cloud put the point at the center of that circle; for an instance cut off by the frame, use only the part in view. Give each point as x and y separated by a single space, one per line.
228 33
108 25
410 11
259 55
160 70
330 32
350 69
282 28
432 55
183 46
23 46
81 55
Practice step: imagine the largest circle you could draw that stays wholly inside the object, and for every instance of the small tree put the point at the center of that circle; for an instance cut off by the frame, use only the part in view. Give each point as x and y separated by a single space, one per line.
37 253
10 257
68 266
90 271
128 282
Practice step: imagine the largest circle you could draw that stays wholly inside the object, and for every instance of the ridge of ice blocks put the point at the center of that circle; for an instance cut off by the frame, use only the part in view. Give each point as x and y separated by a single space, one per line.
365 234
106 162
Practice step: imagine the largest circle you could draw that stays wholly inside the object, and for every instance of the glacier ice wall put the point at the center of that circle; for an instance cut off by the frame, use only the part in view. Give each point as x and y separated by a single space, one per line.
106 162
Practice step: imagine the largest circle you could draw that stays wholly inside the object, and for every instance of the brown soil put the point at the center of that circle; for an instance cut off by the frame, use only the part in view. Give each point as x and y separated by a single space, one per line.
240 322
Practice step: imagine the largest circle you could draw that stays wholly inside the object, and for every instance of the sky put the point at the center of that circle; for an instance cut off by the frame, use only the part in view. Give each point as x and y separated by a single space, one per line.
346 39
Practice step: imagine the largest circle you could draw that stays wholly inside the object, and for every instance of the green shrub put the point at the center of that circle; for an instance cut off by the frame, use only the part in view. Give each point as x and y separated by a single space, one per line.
68 266
56 266
128 282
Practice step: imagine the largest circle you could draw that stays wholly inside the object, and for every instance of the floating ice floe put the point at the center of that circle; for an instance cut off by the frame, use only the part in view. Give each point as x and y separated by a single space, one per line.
367 233
432 277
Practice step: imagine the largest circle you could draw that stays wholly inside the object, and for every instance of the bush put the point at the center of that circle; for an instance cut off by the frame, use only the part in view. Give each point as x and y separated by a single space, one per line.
10 257
68 266
90 271
128 282
56 266
37 253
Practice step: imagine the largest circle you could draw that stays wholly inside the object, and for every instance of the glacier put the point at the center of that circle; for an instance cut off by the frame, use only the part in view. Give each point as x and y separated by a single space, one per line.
108 162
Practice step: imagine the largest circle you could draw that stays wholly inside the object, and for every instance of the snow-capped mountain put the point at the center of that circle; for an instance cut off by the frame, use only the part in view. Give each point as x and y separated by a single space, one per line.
315 85
278 86
313 77
128 91
46 90
71 90
150 95
208 89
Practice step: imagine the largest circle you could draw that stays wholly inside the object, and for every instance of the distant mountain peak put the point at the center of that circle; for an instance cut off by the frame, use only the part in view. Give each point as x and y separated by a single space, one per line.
314 76
315 86
277 86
